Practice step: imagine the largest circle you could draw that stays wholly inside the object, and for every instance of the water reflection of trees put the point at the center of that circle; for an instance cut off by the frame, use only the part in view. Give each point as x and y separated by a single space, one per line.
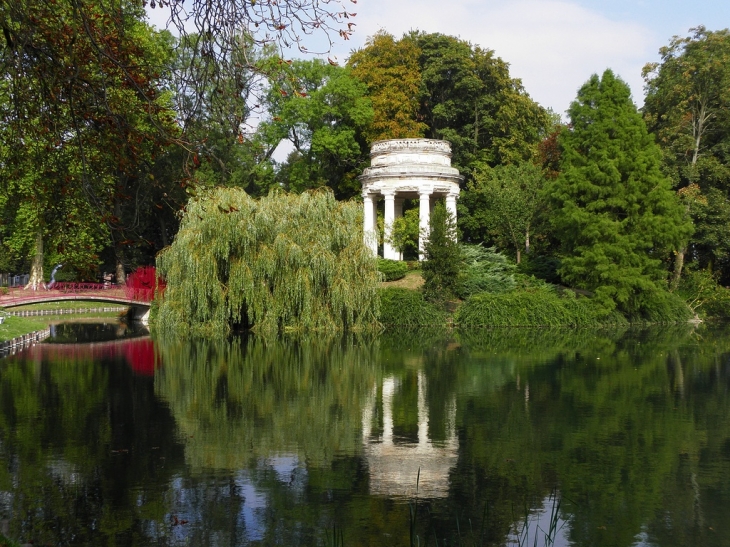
615 423
79 439
632 428
249 398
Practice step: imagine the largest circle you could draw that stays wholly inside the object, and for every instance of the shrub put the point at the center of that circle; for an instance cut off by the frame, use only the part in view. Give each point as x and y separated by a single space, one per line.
538 308
392 269
485 270
701 292
719 305
407 308
541 267
142 284
663 307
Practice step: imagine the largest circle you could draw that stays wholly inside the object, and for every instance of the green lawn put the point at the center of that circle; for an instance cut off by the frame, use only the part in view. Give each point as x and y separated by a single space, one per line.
18 326
68 305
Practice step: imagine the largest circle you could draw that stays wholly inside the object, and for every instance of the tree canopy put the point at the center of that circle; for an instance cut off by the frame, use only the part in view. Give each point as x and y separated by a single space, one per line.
84 116
613 210
391 71
322 111
506 202
285 261
688 95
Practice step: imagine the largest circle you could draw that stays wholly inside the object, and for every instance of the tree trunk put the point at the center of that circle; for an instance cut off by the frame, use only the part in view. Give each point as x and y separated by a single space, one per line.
163 231
121 276
118 251
519 256
678 265
527 241
36 267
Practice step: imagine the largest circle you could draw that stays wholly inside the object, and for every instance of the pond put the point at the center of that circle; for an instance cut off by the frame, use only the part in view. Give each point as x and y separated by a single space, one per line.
412 438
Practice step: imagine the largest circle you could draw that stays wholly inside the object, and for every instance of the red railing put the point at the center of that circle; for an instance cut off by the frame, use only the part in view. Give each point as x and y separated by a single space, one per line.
75 287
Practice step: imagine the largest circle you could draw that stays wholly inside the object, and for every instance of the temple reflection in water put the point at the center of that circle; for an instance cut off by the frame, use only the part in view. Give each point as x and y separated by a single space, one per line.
398 466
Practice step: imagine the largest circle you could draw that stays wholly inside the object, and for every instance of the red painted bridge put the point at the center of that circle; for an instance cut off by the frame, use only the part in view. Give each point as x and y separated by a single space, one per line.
63 292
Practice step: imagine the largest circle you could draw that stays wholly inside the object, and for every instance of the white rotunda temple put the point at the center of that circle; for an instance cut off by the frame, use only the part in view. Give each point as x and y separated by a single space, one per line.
407 169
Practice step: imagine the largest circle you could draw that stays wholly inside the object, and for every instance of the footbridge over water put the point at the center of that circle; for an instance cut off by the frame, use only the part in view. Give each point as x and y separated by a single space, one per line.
86 292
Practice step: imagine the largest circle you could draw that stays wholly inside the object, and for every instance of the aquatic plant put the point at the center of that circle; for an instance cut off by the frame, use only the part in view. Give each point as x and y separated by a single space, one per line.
281 262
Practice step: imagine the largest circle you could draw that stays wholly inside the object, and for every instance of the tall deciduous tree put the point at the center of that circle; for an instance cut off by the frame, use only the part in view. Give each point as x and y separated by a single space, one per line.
687 107
80 89
322 111
613 210
216 112
390 70
509 199
469 99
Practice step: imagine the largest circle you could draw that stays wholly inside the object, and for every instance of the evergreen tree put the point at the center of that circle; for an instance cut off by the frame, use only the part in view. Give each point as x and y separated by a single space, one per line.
614 212
444 261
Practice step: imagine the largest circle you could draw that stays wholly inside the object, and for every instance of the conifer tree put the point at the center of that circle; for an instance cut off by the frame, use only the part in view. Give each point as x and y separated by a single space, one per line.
615 214
443 264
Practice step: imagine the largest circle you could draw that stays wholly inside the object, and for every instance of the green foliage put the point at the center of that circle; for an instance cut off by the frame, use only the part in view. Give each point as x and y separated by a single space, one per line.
392 269
686 102
686 107
442 87
614 213
541 267
284 261
215 102
322 110
538 308
5 542
702 293
485 270
504 205
404 233
390 70
443 260
662 307
468 98
408 308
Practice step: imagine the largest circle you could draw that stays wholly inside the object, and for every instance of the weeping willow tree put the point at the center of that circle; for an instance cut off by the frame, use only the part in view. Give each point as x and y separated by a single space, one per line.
281 262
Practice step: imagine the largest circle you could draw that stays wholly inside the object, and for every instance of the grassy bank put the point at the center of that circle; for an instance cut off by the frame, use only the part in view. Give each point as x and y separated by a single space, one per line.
67 305
538 305
13 327
18 326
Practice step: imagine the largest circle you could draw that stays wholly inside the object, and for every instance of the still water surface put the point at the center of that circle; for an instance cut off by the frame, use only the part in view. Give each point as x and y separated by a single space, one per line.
405 439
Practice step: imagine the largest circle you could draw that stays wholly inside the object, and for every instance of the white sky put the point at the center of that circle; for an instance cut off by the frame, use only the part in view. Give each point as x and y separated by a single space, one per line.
552 45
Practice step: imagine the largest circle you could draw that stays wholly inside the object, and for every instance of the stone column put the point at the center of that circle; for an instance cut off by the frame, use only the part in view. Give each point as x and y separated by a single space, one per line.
369 232
399 214
424 217
388 249
451 205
